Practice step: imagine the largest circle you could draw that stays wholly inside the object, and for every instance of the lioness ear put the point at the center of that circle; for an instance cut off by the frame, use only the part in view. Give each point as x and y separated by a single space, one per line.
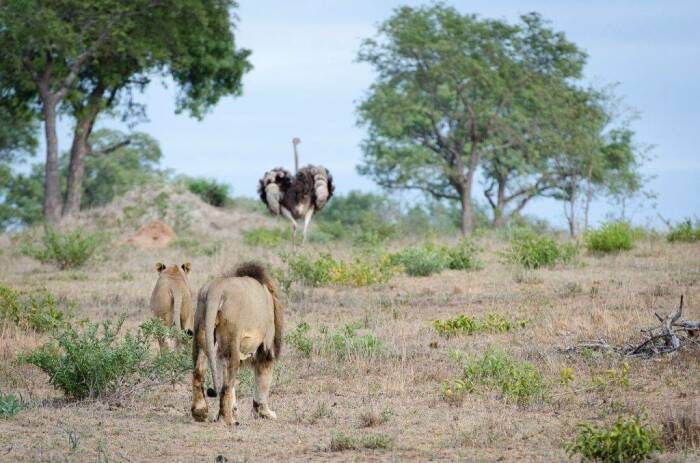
160 267
187 267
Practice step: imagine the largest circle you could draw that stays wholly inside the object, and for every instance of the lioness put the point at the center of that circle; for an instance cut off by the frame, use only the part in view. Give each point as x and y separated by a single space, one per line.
238 322
171 300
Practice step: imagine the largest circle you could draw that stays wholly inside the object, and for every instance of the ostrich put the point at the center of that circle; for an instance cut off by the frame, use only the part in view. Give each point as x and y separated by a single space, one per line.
299 195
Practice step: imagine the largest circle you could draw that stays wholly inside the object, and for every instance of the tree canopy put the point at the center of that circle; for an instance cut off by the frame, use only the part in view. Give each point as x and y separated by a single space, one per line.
455 93
84 57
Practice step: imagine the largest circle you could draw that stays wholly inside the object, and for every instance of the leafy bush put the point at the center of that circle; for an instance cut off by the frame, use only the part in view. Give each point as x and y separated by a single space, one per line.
516 380
211 191
464 324
422 261
65 250
684 232
612 237
299 339
266 237
10 406
463 256
92 363
626 440
37 310
347 343
363 270
535 250
341 442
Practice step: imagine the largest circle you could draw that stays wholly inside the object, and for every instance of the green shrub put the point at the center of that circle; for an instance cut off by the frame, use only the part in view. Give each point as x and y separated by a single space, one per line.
535 250
612 237
65 250
347 343
10 406
684 232
362 270
300 340
517 381
626 440
463 256
266 237
421 261
37 310
92 363
464 324
211 191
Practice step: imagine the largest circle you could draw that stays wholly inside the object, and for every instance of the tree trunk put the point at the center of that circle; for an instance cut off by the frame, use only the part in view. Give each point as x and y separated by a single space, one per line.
499 213
572 211
79 149
52 188
467 225
76 170
587 207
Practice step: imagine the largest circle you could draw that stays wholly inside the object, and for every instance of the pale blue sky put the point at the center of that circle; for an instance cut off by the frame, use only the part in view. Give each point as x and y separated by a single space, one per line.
306 83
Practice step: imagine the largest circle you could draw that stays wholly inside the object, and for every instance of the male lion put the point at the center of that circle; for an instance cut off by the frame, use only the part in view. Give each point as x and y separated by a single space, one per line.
238 322
171 300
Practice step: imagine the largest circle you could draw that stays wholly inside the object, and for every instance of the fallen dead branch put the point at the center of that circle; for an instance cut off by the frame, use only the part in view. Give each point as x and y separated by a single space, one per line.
671 335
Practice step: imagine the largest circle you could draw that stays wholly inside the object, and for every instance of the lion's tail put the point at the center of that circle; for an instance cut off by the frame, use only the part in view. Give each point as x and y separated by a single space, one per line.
258 272
211 303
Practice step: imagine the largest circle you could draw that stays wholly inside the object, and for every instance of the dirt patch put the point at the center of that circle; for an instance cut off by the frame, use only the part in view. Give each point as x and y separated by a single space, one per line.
156 234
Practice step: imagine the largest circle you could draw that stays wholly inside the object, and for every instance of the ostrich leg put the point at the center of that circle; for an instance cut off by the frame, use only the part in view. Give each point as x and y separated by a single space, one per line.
307 220
287 214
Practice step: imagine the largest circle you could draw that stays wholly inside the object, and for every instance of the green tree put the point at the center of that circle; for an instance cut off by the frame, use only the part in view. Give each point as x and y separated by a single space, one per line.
448 88
84 57
117 163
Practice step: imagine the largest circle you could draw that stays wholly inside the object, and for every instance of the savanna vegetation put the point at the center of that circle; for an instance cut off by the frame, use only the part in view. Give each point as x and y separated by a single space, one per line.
444 328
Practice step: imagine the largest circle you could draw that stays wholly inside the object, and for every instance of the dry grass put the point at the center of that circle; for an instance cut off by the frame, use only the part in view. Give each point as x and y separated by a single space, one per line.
385 407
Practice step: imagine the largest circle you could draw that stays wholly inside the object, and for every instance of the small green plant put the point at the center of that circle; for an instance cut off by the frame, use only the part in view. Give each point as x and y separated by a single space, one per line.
347 343
453 392
684 232
464 324
362 270
211 191
422 261
38 310
535 250
566 376
10 406
463 256
64 250
613 377
341 442
630 440
612 237
495 369
267 237
300 340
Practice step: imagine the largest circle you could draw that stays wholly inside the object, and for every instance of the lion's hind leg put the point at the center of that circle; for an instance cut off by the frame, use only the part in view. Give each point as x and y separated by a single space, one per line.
263 379
228 408
200 411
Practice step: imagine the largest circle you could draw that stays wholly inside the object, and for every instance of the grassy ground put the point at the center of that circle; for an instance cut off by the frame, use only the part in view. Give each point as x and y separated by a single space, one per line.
385 404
